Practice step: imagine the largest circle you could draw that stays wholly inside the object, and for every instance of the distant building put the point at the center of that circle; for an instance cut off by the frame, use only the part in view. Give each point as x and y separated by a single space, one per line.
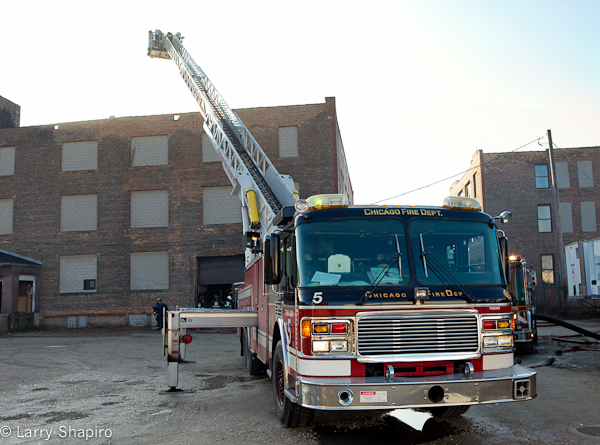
520 182
120 212
10 114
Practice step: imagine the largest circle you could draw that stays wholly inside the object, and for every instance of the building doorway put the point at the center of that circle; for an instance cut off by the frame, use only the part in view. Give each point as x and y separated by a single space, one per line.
216 278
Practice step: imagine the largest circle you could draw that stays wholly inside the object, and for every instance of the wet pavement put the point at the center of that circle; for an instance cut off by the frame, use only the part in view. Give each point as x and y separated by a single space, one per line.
115 380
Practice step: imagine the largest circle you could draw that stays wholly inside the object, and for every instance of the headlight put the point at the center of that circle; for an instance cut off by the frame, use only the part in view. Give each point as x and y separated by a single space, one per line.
326 336
497 334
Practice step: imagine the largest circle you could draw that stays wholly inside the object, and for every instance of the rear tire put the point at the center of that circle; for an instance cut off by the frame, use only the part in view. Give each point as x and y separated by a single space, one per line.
253 365
445 412
290 414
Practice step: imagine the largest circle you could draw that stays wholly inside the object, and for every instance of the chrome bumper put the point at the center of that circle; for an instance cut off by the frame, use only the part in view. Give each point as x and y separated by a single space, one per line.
503 385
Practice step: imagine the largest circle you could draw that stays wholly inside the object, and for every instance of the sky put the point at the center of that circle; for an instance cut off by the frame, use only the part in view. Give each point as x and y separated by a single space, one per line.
420 85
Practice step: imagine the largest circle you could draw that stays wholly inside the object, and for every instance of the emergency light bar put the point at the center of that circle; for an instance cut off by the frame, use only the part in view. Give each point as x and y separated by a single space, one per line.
461 203
322 202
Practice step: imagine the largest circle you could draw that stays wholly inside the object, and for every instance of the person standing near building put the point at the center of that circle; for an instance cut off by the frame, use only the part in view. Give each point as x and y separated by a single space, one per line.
160 309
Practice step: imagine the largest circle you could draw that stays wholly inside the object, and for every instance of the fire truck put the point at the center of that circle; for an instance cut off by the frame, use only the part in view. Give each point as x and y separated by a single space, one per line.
349 307
522 284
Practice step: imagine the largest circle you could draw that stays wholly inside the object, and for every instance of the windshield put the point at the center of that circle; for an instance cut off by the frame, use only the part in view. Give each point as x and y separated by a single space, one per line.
466 251
352 253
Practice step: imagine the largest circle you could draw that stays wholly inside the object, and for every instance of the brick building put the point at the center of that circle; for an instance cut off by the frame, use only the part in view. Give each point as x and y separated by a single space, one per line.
520 182
120 212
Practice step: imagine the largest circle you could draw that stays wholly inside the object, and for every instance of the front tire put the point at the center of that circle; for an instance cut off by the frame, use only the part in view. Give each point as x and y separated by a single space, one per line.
290 414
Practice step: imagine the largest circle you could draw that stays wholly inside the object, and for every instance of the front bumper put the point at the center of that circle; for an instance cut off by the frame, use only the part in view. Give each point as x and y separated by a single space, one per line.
359 393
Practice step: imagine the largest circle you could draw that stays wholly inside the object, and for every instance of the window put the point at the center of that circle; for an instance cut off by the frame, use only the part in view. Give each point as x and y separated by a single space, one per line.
541 177
586 176
352 253
468 190
548 269
544 218
474 185
463 250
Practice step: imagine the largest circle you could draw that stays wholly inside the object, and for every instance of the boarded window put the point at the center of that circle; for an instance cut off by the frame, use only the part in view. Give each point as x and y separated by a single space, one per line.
562 175
78 213
76 271
150 209
7 161
566 217
588 217
78 156
6 216
149 271
586 175
288 142
209 154
219 206
149 151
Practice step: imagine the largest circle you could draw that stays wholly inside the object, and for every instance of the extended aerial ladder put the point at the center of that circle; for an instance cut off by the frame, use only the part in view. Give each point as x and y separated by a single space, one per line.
262 191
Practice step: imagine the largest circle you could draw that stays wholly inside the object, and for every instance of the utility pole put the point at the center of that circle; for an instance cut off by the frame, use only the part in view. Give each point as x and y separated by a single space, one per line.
562 263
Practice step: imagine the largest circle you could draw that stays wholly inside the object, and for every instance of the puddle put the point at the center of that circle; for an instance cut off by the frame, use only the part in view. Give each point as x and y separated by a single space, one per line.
590 430
220 381
414 427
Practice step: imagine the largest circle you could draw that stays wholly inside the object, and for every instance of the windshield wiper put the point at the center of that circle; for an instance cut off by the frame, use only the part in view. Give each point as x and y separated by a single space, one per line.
396 257
446 277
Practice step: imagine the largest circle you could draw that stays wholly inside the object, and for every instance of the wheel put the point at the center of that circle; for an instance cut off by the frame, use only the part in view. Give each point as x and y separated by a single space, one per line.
290 414
444 412
253 365
525 347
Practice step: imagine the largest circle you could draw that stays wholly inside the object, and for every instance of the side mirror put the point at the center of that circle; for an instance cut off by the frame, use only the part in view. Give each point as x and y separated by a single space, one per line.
504 217
272 259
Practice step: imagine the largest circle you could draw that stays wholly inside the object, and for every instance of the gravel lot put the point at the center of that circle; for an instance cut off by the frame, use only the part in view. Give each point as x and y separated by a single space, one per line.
106 384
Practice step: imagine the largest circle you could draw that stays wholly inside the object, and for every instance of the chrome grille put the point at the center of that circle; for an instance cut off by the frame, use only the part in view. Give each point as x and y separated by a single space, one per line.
417 333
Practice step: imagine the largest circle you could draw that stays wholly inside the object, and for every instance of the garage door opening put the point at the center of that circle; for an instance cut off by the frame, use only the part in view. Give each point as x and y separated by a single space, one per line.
216 278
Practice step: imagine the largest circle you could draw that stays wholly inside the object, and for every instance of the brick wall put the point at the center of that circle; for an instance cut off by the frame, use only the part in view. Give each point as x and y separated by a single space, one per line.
38 185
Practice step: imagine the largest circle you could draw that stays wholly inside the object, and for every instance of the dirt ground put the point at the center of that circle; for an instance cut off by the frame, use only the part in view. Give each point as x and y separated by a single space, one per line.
106 385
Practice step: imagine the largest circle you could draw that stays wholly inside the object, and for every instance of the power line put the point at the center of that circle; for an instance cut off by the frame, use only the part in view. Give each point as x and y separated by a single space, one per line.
461 173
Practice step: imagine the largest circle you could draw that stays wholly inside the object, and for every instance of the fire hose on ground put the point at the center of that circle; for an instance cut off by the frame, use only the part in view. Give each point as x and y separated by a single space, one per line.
567 338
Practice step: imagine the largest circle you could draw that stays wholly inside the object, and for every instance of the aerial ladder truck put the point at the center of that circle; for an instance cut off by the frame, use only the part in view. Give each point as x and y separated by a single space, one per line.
356 307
